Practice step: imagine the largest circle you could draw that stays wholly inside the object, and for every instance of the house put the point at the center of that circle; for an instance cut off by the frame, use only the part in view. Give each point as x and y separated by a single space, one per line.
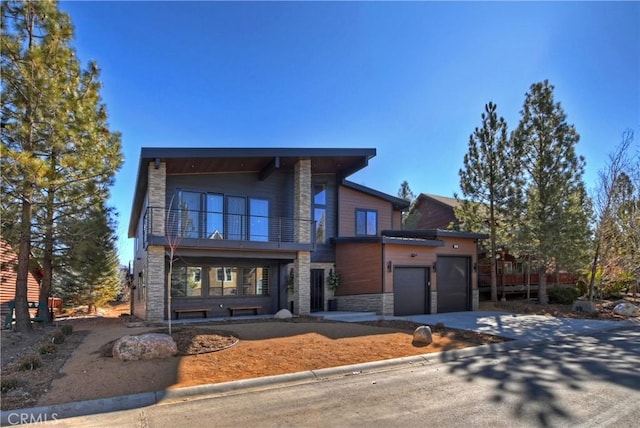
260 229
433 212
8 277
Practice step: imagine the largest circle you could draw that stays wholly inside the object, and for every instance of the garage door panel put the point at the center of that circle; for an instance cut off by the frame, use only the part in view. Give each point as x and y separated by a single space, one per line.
454 284
410 291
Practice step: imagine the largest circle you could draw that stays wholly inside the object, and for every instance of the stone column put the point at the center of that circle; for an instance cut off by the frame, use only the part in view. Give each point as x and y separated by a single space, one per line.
155 292
302 233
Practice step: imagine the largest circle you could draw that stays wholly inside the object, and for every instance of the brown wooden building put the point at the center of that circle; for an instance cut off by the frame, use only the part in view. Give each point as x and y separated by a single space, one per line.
8 276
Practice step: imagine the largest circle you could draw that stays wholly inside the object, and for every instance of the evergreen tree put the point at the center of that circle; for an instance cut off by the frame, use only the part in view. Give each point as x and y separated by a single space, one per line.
92 274
487 181
60 155
554 190
407 194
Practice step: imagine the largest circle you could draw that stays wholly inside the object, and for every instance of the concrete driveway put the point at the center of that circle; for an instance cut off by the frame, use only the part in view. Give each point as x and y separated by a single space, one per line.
512 326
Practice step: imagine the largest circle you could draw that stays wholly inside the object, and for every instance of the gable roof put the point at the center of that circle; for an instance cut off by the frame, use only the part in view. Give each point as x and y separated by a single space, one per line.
262 161
444 200
398 203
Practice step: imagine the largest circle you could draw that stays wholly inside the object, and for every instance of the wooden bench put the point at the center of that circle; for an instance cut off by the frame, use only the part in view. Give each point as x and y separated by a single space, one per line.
255 309
189 310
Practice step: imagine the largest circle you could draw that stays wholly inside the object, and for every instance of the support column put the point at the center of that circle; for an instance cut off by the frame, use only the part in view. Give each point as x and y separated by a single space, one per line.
302 213
155 272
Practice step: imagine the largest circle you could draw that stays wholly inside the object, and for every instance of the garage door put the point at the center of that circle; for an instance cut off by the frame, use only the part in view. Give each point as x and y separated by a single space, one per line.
410 291
454 284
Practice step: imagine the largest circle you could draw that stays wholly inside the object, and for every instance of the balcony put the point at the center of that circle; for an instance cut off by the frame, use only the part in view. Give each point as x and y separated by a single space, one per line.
218 230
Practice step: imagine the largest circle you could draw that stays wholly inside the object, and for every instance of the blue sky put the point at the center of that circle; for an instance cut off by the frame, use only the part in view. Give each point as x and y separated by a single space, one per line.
410 79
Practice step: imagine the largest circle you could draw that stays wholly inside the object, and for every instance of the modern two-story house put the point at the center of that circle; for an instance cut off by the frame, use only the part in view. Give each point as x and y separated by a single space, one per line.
264 228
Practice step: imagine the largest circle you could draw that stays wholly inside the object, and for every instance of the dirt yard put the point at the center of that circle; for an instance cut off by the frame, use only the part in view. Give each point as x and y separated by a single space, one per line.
80 369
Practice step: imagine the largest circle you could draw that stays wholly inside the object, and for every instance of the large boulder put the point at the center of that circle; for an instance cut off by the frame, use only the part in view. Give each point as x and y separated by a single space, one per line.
626 309
144 347
422 336
283 314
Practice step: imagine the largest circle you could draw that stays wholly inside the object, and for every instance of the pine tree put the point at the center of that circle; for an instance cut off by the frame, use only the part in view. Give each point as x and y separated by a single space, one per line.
487 182
92 274
59 156
554 190
407 194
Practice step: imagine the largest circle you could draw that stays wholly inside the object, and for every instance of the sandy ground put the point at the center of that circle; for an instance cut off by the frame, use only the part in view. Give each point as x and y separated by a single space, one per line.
265 348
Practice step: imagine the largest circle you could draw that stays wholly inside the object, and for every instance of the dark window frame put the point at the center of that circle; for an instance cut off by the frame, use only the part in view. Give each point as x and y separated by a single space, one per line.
366 213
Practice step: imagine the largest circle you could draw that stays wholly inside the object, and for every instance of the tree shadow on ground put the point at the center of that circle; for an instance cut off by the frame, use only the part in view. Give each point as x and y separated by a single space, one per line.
533 381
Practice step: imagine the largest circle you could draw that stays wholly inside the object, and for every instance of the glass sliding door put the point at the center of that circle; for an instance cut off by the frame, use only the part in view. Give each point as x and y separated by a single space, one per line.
236 224
259 220
215 222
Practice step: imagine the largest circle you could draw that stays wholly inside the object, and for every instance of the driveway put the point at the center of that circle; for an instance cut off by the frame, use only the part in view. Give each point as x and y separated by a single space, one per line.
512 326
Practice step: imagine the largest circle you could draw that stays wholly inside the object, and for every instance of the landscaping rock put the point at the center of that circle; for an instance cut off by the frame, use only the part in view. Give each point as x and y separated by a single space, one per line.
283 314
583 306
422 336
626 309
144 347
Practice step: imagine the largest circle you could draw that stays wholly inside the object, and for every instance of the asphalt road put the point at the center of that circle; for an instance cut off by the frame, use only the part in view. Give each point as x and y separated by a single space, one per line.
586 381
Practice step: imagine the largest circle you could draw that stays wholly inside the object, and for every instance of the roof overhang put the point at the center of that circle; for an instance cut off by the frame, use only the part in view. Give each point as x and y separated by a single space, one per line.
433 234
261 161
397 203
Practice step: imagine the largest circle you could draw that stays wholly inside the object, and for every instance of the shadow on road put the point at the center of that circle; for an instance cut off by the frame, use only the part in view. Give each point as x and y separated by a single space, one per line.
532 381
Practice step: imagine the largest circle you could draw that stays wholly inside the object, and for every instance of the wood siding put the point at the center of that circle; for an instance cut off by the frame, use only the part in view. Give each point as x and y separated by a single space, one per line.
349 200
360 268
363 266
8 276
434 214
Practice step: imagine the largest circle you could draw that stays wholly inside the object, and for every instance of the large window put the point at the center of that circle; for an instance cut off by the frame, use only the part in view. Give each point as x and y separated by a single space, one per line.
186 281
214 216
320 212
366 222
238 281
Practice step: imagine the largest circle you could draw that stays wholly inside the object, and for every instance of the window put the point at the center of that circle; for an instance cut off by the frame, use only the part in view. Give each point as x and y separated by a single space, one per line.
214 216
215 212
258 220
189 216
238 281
320 212
186 281
366 222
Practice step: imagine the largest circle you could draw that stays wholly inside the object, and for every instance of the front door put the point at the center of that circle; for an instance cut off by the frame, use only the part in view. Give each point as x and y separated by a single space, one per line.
317 290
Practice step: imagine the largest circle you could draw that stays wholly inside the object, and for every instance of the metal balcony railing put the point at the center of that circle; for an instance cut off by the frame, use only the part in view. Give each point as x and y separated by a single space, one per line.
177 225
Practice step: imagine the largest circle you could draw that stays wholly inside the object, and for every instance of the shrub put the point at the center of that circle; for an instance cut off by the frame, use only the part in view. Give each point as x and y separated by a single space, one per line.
8 383
67 329
30 362
563 295
48 348
58 337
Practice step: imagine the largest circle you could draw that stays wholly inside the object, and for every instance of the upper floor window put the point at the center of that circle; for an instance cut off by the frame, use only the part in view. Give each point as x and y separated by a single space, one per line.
320 212
366 222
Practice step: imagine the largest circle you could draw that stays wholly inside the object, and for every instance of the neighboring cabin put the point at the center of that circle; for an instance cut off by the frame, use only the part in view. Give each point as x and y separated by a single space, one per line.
8 276
263 228
438 212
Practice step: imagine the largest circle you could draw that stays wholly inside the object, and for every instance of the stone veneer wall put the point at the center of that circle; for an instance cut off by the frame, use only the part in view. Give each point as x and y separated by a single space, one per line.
434 302
378 303
302 212
155 275
155 284
475 299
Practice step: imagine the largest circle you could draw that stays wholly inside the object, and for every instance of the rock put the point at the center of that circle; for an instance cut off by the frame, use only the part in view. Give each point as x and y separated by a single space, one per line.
144 347
422 336
283 314
583 306
627 309
439 327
